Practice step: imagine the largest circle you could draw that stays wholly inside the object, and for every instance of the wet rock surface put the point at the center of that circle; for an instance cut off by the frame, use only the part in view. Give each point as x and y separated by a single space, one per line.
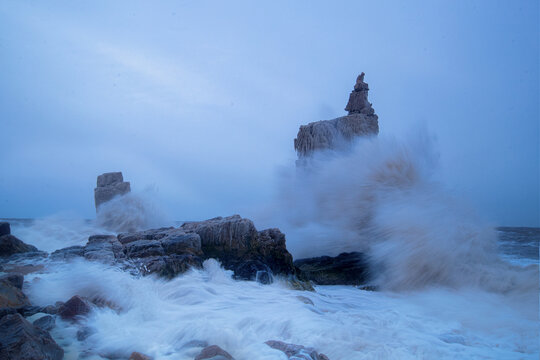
235 241
74 307
213 352
21 340
46 322
344 269
296 352
11 296
10 245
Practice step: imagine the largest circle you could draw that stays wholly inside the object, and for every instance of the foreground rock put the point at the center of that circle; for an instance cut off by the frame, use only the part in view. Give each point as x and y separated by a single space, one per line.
110 185
233 240
20 340
335 133
296 352
74 308
9 244
138 356
11 295
344 269
213 352
237 244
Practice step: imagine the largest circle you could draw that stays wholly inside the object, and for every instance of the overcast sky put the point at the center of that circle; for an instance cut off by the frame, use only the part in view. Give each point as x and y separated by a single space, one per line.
202 100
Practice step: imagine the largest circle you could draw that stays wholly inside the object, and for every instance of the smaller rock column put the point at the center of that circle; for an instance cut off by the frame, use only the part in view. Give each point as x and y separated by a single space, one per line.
110 185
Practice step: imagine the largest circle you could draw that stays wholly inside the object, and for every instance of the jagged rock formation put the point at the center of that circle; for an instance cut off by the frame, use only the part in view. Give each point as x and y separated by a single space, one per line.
110 185
333 134
233 240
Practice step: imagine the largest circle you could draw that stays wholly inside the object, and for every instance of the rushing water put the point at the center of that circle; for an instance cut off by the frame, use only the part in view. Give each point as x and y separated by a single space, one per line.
172 319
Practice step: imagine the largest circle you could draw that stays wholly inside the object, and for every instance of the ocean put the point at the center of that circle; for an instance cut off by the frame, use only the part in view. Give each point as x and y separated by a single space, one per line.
174 319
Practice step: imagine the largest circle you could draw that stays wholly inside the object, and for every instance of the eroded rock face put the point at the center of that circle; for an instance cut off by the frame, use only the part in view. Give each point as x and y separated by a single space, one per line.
21 340
337 133
234 241
344 269
296 352
110 185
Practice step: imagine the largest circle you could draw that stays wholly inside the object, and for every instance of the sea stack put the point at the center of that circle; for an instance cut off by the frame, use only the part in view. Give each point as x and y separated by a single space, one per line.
332 134
110 185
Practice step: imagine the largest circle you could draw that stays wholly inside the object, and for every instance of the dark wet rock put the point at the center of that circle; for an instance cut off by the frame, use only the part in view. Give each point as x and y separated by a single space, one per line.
29 310
344 269
213 352
74 307
144 248
10 245
168 266
296 352
46 322
6 311
254 270
21 340
180 243
11 296
234 241
15 279
5 228
139 356
110 185
85 332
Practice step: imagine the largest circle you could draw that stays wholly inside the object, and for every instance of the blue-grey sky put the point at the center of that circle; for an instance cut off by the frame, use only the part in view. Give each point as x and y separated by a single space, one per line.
202 100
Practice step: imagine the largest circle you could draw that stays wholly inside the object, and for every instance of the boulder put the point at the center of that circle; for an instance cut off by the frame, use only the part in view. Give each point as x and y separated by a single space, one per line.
68 253
337 133
234 241
15 279
11 296
105 248
21 340
344 269
168 266
138 356
110 185
46 322
296 352
5 228
73 308
213 352
10 245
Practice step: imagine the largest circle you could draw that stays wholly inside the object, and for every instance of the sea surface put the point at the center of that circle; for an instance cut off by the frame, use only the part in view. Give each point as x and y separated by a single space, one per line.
174 319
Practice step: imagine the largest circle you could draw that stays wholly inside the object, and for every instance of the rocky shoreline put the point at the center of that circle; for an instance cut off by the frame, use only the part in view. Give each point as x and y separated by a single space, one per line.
251 255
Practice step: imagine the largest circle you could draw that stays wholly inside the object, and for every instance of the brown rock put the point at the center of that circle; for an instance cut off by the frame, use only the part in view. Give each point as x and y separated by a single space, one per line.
296 351
213 352
11 296
110 185
138 356
74 307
